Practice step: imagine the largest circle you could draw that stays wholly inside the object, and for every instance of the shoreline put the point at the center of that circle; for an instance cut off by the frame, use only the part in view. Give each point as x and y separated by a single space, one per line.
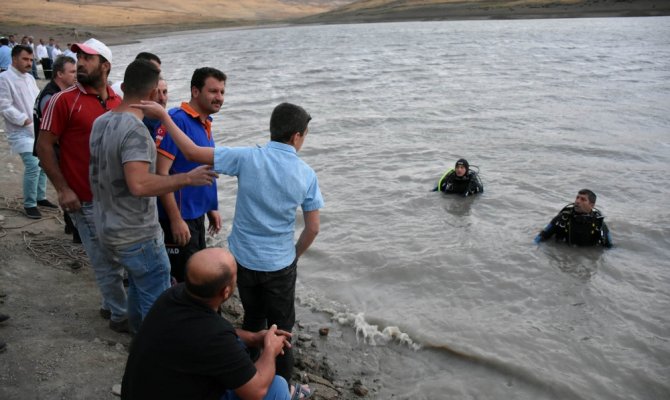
129 34
58 346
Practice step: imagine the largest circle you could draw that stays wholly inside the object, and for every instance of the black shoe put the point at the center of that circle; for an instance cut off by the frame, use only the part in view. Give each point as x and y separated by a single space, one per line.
105 314
33 213
46 203
75 237
120 326
4 317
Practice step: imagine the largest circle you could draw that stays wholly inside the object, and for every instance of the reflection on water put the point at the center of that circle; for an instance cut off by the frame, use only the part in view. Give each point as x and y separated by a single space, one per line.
579 262
457 206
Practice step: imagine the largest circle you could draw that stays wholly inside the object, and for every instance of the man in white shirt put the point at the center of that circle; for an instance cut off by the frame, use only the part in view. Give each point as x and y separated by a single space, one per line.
42 54
56 52
18 92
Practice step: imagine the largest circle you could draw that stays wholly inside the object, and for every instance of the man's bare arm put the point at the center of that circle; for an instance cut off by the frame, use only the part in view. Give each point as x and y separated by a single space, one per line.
143 183
49 162
191 151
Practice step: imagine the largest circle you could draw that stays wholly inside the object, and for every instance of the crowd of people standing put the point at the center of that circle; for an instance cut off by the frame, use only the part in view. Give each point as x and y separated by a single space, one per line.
44 53
99 149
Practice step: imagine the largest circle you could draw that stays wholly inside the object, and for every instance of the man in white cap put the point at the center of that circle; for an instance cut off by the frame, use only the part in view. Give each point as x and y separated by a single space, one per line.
68 120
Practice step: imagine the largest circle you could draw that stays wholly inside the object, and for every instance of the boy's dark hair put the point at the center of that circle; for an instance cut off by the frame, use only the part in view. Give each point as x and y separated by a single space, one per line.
588 193
59 63
208 289
286 120
4 41
145 55
140 78
16 50
200 75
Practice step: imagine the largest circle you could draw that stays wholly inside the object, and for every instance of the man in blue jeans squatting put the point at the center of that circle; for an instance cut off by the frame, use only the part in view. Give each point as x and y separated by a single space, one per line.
272 183
124 186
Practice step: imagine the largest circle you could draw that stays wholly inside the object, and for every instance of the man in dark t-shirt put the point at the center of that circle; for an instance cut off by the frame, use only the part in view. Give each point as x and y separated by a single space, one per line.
185 350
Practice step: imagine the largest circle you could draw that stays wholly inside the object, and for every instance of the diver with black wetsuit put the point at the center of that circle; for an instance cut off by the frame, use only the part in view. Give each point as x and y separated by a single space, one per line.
579 223
460 180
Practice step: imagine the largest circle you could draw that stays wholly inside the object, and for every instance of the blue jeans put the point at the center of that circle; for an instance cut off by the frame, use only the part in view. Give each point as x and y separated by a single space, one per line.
34 181
34 68
108 275
148 269
278 390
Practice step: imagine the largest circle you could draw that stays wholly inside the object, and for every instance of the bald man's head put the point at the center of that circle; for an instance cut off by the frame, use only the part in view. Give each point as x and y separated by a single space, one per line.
210 270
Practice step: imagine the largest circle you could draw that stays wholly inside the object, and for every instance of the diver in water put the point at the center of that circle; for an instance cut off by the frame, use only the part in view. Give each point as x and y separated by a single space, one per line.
579 223
460 180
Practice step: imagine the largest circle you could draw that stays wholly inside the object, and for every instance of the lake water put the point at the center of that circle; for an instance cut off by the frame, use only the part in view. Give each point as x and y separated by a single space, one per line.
449 296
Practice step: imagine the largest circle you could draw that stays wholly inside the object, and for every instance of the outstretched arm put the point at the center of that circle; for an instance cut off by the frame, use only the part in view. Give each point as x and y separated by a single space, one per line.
143 183
192 152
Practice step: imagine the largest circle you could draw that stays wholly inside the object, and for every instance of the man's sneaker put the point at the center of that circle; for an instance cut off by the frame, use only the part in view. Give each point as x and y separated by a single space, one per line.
120 326
4 317
46 203
33 212
105 314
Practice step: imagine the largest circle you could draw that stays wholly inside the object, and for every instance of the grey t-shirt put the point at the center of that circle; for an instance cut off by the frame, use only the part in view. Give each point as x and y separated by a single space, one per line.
121 218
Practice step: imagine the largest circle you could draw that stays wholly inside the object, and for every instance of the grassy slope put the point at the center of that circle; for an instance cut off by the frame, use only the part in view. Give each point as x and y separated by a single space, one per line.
105 13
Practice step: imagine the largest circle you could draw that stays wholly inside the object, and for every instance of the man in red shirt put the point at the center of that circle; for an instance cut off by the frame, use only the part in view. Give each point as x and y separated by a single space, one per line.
68 120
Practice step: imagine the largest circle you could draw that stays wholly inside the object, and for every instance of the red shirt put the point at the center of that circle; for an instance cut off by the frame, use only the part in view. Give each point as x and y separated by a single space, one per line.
70 115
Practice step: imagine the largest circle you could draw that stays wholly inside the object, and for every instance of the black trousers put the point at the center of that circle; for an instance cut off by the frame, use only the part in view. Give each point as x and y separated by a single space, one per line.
178 255
269 298
46 67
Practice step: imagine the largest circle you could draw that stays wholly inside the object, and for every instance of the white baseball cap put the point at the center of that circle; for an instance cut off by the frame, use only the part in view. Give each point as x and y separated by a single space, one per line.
94 47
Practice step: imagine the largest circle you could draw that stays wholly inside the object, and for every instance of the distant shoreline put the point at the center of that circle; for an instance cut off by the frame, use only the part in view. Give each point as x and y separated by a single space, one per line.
443 12
468 11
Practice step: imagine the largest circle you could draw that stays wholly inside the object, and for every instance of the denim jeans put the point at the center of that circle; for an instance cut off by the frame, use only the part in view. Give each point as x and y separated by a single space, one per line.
108 275
34 181
34 68
278 390
148 269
